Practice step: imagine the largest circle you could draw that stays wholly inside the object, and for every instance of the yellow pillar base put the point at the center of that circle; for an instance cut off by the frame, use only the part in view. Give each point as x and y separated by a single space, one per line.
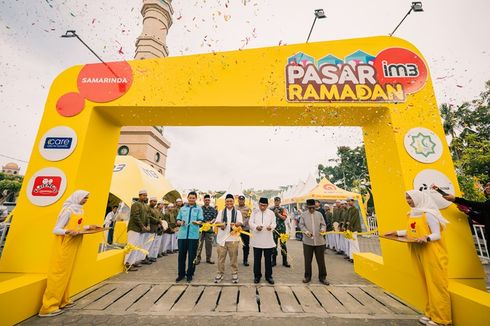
470 303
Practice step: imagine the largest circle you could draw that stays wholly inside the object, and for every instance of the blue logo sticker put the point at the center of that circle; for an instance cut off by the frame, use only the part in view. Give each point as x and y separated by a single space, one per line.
58 143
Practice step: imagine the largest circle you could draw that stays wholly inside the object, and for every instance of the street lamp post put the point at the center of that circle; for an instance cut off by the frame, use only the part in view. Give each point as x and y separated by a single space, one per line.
319 14
72 33
415 7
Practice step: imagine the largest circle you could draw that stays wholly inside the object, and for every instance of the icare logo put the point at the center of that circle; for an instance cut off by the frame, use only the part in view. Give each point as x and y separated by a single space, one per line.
58 143
46 186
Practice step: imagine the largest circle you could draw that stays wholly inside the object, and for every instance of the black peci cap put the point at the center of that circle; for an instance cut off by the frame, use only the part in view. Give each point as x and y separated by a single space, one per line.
263 200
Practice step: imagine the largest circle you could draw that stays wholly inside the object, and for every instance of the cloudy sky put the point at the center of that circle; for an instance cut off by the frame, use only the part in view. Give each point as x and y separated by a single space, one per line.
452 35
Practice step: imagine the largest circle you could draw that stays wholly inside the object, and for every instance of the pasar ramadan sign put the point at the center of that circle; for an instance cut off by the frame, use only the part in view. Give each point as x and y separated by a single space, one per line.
387 77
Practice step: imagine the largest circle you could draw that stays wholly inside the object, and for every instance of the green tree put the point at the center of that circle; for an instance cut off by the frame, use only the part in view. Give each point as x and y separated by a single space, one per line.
10 185
350 170
468 125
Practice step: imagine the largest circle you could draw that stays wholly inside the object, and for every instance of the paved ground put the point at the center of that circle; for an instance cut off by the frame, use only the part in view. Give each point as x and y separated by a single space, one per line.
151 297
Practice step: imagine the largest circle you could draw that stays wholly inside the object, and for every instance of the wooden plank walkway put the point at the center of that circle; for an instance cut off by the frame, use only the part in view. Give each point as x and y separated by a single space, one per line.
243 299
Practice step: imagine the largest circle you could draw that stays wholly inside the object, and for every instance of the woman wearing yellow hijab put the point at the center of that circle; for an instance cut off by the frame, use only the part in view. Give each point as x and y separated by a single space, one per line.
426 225
67 242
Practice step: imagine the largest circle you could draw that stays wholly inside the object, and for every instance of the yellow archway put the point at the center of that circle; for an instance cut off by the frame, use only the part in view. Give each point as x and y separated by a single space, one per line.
381 84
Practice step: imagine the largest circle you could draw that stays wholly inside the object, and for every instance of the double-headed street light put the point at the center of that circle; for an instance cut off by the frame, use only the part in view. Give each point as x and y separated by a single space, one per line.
319 14
416 7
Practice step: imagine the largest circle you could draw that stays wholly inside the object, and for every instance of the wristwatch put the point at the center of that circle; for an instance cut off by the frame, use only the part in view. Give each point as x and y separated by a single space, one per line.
428 239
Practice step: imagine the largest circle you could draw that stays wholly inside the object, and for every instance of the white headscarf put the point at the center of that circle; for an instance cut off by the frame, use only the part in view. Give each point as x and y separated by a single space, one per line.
73 202
425 204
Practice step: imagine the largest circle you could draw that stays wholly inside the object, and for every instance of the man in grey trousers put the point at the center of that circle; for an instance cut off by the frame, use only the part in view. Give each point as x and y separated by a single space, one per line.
312 224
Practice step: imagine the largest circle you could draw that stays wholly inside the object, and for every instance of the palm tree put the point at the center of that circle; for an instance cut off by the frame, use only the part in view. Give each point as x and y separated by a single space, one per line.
449 121
453 123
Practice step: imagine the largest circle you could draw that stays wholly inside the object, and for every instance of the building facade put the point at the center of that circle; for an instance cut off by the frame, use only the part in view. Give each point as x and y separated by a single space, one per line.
148 144
11 168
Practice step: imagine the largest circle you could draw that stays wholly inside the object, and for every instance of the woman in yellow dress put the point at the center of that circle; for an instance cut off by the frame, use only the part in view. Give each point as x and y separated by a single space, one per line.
426 225
67 242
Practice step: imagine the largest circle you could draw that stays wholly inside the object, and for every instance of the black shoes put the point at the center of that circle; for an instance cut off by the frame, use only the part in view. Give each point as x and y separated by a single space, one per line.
257 280
245 263
146 262
210 262
178 279
286 264
189 279
325 282
153 260
270 280
306 280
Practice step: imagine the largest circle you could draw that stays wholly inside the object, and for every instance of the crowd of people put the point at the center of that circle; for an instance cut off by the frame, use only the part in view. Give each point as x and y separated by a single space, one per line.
156 228
153 226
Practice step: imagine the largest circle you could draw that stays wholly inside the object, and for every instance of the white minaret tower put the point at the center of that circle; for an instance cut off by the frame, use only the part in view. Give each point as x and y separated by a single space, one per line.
148 144
157 19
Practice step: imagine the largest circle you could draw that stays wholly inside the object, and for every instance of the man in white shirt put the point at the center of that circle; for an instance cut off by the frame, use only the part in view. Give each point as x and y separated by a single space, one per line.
109 221
228 240
262 225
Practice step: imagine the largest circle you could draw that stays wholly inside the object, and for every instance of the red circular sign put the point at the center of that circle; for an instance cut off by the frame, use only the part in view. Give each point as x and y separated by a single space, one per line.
105 82
401 66
70 104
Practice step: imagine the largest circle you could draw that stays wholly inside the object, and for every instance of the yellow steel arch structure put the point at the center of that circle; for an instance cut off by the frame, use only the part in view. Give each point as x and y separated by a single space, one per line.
381 84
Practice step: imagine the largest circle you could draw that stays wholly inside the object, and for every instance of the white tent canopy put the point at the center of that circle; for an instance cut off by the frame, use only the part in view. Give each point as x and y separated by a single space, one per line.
310 183
235 189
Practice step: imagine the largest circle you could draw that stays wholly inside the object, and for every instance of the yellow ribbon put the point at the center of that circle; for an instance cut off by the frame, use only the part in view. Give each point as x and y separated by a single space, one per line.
130 247
9 217
205 227
238 230
283 237
348 234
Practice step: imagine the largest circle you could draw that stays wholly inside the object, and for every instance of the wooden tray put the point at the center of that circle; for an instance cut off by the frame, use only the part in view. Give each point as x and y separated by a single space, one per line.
93 231
399 239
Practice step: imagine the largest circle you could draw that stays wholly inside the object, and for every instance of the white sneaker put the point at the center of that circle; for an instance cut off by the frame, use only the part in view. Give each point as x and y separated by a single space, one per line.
424 320
69 305
218 278
52 314
432 323
234 278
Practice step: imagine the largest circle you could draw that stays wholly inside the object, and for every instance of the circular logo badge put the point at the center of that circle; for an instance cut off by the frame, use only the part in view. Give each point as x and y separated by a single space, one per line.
428 178
70 104
423 145
46 186
58 143
105 82
329 187
400 66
